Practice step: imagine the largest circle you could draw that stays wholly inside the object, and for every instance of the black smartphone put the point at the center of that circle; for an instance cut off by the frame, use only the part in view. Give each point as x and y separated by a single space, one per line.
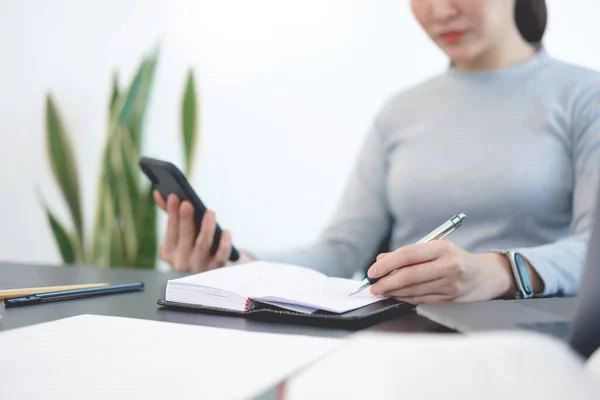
168 179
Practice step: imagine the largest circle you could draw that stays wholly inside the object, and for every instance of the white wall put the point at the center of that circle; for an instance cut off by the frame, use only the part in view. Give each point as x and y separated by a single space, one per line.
288 90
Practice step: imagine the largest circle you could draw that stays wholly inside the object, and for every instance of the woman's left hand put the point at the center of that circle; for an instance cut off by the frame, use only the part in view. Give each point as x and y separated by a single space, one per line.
441 271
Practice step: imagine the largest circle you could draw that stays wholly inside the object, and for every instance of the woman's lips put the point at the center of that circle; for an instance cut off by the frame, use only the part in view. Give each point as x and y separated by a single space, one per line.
452 37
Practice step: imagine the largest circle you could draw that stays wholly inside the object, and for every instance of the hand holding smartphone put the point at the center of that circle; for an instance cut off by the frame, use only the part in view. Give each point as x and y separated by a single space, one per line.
168 179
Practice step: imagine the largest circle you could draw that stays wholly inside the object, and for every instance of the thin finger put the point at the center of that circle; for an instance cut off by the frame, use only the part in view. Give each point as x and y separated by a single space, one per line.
207 233
159 200
222 255
185 241
172 233
409 276
382 255
405 256
199 258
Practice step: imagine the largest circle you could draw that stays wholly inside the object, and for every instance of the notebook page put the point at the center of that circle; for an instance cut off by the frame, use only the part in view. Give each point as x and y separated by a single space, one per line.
254 279
328 294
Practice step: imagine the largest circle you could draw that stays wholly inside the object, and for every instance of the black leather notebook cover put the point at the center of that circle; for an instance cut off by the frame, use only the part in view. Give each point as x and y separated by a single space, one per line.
355 319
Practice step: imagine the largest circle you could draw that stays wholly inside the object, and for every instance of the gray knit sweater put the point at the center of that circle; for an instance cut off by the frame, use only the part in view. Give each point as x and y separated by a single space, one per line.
516 149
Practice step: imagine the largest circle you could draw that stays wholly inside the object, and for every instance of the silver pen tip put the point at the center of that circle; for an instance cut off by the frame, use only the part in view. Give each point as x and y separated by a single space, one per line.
359 289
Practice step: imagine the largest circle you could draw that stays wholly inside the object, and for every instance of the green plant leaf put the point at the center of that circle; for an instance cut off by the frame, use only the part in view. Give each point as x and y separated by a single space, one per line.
62 161
106 242
131 172
124 197
134 109
117 191
117 255
112 179
146 229
101 242
63 239
114 95
112 227
189 121
128 194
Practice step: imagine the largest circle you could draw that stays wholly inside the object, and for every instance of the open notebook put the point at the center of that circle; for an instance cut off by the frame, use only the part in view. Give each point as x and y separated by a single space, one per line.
287 286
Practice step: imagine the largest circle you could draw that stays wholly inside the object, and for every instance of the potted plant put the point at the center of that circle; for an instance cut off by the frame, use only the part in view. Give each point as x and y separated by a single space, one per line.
124 231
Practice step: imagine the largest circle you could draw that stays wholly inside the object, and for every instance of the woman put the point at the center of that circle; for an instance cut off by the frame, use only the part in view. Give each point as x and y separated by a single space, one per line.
507 135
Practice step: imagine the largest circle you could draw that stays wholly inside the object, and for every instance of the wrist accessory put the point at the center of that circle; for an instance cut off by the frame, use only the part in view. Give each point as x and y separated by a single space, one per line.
518 266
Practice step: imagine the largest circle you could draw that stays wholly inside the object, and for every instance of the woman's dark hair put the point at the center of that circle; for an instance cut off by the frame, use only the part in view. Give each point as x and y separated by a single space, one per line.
531 17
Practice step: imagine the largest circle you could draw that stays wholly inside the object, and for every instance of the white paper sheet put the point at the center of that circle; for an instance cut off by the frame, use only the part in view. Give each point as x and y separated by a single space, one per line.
96 357
496 366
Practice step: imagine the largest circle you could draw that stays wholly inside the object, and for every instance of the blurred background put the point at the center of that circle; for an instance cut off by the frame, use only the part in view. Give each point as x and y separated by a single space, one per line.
286 92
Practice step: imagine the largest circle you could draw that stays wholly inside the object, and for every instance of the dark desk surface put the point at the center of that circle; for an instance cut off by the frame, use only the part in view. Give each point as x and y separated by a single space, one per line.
143 304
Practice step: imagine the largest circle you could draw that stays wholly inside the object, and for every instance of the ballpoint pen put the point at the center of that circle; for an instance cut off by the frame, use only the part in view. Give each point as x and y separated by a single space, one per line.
72 294
439 233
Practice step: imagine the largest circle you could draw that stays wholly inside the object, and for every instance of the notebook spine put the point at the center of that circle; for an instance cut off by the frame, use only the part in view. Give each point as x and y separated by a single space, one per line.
248 304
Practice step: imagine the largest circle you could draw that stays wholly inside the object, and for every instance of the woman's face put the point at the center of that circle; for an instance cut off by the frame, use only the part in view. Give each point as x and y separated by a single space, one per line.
465 29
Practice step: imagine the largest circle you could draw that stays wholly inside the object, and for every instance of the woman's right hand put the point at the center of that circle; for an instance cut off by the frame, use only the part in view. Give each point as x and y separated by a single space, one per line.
181 248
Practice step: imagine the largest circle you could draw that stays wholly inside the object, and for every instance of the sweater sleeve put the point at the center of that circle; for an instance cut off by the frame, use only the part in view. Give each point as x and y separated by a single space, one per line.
360 222
560 264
